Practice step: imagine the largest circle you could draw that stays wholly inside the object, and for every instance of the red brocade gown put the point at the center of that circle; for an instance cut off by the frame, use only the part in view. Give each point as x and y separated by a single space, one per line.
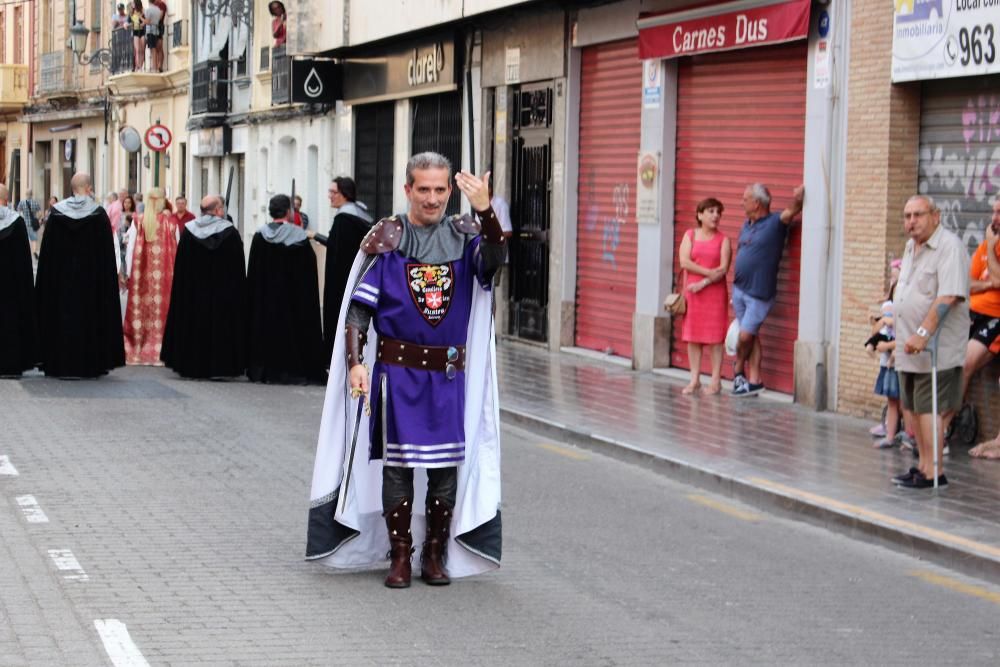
149 292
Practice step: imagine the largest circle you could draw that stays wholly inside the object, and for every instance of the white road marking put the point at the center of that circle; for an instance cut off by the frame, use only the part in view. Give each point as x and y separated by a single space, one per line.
32 512
6 467
118 644
66 562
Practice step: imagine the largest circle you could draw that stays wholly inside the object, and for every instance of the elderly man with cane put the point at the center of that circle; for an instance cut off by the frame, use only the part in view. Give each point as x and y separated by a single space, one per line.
932 317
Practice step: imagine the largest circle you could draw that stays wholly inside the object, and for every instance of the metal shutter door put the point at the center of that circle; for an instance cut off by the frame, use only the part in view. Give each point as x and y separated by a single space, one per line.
374 131
437 126
740 119
610 107
960 152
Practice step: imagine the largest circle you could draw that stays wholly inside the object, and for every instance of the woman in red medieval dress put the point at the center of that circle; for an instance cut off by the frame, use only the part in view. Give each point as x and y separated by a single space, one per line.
150 282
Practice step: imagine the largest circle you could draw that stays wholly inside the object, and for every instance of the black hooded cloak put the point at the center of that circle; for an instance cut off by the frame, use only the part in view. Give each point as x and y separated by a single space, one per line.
76 290
18 333
205 335
285 338
349 227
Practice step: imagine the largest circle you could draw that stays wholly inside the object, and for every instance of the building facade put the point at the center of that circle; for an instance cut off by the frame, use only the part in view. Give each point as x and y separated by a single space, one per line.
16 71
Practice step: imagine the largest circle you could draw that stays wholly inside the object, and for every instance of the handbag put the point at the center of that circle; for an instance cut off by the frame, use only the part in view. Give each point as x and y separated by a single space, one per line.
675 303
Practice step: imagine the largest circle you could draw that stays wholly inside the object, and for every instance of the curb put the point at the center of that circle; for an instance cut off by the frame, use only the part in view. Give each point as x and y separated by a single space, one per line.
852 522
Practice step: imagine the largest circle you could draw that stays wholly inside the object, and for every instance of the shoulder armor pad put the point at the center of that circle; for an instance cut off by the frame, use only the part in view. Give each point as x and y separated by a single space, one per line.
466 224
383 237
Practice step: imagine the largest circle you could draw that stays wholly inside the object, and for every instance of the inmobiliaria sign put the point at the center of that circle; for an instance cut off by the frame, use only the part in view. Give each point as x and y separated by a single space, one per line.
732 25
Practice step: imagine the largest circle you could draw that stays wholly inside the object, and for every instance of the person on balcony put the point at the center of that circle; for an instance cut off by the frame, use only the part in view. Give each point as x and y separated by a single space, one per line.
137 21
278 30
154 17
119 19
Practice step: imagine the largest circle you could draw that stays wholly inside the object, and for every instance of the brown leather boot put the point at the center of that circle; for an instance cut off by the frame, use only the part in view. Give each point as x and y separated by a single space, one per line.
397 520
435 546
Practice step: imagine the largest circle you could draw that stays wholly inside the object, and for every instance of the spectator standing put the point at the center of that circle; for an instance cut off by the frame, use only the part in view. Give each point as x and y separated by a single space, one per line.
883 343
30 211
301 219
705 254
984 302
153 20
350 225
278 20
761 244
120 18
137 21
181 212
933 284
140 206
125 248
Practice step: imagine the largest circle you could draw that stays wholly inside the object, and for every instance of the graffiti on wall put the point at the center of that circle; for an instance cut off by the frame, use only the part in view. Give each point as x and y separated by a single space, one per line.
962 173
611 232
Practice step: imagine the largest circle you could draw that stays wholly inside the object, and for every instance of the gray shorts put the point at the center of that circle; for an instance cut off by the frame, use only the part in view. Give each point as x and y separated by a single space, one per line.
750 311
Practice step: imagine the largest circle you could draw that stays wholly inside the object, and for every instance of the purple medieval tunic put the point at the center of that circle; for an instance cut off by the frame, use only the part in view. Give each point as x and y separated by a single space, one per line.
426 304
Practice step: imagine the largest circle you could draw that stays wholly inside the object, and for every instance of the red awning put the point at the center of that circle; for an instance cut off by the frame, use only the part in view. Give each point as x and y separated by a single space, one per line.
722 27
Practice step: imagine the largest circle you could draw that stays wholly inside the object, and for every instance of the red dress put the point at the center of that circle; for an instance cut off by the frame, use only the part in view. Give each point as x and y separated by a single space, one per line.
707 310
149 292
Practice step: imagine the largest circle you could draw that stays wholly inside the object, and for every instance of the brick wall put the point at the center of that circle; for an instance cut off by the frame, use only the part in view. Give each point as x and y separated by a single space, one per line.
883 127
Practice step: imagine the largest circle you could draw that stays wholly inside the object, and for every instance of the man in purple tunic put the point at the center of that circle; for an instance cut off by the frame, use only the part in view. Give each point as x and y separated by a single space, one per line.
417 290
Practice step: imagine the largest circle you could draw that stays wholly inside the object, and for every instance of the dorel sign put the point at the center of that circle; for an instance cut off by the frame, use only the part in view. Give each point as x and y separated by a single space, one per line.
935 39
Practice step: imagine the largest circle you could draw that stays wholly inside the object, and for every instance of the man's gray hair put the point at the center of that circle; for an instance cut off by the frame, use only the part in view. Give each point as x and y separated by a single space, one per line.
927 198
426 160
760 192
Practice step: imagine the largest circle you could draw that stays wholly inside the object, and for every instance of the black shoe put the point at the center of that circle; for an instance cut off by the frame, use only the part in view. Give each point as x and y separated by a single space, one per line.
919 481
905 477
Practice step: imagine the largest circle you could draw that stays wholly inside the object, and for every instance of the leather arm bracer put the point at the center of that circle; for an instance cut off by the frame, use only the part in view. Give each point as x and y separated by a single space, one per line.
492 232
356 341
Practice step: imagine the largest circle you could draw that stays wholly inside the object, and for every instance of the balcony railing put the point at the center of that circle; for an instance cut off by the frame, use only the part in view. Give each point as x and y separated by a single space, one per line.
122 51
54 72
209 87
281 76
13 86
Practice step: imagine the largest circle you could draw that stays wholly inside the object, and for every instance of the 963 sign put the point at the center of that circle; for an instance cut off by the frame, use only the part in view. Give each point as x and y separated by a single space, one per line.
935 39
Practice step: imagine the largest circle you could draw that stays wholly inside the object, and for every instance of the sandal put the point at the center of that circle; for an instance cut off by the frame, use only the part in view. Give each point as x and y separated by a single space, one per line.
690 389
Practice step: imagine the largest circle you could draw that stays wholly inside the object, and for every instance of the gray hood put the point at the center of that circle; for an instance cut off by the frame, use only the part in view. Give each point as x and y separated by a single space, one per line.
207 225
356 209
283 233
77 206
7 217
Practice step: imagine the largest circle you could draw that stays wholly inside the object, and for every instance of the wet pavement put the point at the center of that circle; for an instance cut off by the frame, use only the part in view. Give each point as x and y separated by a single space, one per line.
819 466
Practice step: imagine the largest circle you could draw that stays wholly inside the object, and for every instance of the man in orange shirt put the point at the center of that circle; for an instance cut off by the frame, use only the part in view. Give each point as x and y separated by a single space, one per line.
984 307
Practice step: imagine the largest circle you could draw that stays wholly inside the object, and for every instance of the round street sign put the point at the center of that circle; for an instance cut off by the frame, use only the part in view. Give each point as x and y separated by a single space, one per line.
158 138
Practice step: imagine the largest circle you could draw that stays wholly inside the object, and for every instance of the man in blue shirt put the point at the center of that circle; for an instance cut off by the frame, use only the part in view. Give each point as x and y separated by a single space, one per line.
762 241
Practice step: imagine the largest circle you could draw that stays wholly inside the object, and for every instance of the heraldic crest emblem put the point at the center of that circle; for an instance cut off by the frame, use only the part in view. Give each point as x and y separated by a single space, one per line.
431 286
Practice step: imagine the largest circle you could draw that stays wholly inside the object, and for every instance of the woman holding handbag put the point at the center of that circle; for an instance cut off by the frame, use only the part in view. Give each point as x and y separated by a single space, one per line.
705 254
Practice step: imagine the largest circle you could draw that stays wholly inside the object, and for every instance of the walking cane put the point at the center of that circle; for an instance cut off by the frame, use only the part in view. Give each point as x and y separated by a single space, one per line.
934 395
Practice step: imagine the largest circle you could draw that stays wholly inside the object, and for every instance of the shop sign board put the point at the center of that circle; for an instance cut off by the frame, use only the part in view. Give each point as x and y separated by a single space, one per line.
415 70
731 25
647 191
936 39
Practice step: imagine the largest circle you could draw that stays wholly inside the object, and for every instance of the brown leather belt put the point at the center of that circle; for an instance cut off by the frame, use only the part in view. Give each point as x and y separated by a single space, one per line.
449 359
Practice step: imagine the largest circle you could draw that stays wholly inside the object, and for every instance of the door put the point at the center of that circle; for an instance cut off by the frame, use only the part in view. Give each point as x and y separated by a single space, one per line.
741 119
374 131
530 209
437 126
610 109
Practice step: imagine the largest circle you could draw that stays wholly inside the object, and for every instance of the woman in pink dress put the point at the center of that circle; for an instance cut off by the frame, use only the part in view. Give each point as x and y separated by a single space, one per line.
150 281
704 256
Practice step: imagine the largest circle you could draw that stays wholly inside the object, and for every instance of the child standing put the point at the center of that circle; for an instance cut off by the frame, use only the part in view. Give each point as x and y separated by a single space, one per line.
887 383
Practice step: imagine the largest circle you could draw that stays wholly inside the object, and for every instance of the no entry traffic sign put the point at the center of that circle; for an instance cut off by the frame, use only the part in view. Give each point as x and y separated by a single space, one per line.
158 138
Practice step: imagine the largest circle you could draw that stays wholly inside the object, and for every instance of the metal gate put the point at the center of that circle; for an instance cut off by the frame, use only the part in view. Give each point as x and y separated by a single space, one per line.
375 129
437 126
530 211
960 152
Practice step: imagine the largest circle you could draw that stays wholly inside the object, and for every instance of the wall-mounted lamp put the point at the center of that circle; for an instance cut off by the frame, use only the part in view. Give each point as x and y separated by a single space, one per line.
78 36
145 160
166 160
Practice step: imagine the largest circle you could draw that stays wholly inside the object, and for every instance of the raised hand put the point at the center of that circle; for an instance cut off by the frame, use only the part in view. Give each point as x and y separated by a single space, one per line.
475 189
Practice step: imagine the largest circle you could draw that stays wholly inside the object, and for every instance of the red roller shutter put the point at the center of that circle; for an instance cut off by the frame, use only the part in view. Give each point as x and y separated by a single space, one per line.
610 108
740 119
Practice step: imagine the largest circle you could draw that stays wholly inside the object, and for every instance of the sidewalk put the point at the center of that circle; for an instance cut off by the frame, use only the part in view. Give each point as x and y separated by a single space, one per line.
816 466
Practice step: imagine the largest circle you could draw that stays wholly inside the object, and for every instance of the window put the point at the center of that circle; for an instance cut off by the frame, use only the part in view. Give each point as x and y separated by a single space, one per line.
19 35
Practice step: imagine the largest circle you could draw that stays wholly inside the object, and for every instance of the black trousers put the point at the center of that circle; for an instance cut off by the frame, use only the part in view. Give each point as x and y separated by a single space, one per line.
397 484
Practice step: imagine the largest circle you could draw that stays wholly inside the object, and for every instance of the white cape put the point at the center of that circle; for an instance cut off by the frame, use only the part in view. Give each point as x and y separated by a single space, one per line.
355 536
